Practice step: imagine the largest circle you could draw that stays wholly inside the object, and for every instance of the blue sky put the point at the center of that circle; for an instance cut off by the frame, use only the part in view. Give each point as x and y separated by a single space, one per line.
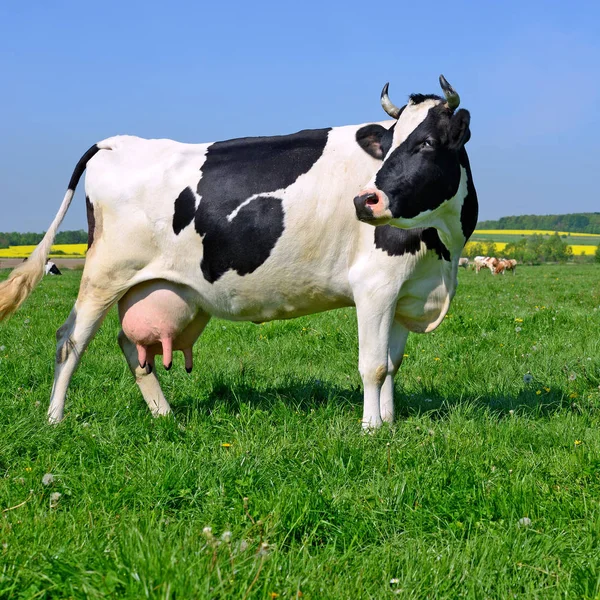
77 72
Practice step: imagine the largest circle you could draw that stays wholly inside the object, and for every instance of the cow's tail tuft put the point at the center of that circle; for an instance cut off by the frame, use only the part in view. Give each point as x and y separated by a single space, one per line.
20 283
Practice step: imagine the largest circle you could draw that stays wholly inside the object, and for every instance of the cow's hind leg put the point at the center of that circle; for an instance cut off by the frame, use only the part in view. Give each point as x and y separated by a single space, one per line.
72 338
145 378
397 343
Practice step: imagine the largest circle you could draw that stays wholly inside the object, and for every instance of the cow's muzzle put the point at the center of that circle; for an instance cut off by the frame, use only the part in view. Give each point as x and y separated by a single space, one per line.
372 206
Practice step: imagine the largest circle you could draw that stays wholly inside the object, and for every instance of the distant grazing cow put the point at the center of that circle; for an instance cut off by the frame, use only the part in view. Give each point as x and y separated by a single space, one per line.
499 267
503 265
510 264
463 262
51 268
255 229
480 262
491 263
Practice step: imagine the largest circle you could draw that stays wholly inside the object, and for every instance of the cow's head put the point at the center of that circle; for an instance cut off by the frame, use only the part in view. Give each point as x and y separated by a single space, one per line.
421 169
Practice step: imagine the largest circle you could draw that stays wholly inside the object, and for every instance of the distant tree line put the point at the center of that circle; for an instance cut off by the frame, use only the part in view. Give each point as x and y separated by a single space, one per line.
574 222
14 238
533 249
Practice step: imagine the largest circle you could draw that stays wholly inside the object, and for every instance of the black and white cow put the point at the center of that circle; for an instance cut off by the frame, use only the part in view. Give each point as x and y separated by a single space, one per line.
265 228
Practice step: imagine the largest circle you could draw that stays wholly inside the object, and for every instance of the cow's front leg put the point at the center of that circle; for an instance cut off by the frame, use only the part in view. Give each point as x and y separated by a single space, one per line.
375 317
397 343
145 378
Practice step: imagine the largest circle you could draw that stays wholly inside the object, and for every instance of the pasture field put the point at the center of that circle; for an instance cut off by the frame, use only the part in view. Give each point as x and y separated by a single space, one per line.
487 486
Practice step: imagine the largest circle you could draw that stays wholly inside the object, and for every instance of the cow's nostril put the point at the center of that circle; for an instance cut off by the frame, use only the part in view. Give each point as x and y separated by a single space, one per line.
372 199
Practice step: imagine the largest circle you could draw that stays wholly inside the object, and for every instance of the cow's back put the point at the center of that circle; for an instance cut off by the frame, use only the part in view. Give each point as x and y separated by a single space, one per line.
277 253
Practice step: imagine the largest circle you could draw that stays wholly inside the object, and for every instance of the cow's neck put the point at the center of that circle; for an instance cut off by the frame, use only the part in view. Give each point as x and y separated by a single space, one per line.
448 222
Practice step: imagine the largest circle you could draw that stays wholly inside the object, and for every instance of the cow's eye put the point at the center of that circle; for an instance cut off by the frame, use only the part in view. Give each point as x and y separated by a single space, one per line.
428 143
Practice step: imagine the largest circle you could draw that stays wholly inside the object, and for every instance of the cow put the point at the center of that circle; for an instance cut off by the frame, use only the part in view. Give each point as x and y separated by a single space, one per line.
463 262
51 268
255 229
480 262
510 264
499 267
487 262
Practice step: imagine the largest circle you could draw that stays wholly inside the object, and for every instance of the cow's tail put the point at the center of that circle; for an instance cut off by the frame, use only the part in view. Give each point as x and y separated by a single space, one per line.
20 283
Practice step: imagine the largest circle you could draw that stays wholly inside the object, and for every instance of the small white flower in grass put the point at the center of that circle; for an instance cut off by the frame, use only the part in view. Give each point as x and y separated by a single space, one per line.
26 321
524 522
2 348
226 537
48 479
394 581
243 546
264 549
517 329
572 377
207 532
528 378
54 499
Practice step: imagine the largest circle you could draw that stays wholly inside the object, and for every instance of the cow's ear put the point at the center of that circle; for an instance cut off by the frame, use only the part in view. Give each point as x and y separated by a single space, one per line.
459 133
372 139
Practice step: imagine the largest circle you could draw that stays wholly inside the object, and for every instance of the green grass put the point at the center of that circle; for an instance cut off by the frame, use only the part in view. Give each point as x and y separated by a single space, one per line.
432 503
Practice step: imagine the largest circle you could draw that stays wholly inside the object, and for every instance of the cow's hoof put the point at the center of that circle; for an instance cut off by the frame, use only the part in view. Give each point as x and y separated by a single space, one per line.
371 426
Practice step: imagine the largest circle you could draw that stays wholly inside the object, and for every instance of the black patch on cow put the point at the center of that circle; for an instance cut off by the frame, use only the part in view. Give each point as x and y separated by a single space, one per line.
375 139
89 210
245 243
235 171
470 208
424 171
397 242
80 167
418 98
54 270
185 209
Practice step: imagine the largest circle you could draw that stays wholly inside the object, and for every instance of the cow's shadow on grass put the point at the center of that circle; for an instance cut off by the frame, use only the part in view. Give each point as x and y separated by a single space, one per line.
323 396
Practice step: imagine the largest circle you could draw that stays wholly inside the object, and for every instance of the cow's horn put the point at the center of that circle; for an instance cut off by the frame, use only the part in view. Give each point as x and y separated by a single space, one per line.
389 107
452 98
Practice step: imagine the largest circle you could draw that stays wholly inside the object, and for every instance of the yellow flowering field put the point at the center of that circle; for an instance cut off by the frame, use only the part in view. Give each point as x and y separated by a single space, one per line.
65 250
532 232
579 249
